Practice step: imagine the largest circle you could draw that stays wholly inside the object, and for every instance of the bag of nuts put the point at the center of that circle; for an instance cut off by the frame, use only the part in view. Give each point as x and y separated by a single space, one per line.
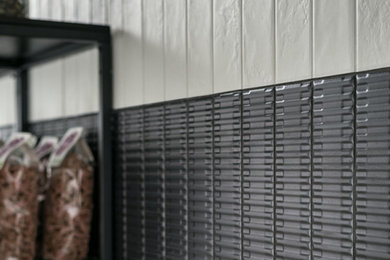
18 198
68 202
46 145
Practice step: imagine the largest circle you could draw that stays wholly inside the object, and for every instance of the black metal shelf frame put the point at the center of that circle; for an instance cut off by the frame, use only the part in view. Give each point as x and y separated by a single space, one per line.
26 43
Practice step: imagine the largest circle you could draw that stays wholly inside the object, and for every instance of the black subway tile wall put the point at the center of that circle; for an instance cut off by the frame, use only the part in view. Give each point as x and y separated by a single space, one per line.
297 171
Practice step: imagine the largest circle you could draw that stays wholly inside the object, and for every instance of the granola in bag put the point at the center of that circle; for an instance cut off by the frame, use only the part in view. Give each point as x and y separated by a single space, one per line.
68 203
18 198
46 145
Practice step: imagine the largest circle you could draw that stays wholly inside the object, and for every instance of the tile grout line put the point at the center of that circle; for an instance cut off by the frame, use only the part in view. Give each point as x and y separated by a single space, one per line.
354 171
213 171
187 180
274 173
242 174
163 175
144 187
241 131
124 194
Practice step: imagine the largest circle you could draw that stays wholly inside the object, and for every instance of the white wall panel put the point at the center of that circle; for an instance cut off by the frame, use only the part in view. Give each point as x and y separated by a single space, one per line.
57 10
258 42
46 91
115 15
81 83
167 49
33 9
86 95
45 6
70 14
70 84
334 37
373 34
175 51
83 11
293 40
7 100
153 51
128 67
227 45
99 14
200 47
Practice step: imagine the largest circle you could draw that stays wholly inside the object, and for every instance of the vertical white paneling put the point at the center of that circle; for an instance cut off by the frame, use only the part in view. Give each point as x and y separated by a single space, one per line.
70 11
200 47
128 68
227 45
57 13
153 51
33 9
7 100
83 11
116 14
80 83
119 52
122 57
175 61
46 89
70 85
373 34
293 40
98 11
258 42
334 37
168 49
88 89
45 9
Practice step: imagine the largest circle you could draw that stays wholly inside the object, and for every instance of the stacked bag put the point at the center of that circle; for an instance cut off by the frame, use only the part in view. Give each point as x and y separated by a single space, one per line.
45 197
18 198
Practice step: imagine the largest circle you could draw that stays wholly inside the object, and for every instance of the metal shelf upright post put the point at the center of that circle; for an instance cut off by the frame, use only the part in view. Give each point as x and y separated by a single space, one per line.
25 43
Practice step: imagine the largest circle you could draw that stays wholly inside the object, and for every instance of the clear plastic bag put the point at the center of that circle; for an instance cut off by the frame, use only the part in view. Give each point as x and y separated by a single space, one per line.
68 207
18 205
42 151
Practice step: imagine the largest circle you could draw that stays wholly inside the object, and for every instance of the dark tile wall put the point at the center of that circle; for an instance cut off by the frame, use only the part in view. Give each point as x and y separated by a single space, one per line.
292 171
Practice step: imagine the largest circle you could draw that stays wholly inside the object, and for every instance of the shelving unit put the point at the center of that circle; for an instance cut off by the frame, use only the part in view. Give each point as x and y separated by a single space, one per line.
25 43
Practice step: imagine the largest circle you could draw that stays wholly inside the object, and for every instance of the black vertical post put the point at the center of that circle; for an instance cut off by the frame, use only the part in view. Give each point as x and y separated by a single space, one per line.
105 149
22 100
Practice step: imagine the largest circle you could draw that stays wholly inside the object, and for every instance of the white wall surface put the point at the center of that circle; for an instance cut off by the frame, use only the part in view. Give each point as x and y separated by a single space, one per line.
169 49
7 100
